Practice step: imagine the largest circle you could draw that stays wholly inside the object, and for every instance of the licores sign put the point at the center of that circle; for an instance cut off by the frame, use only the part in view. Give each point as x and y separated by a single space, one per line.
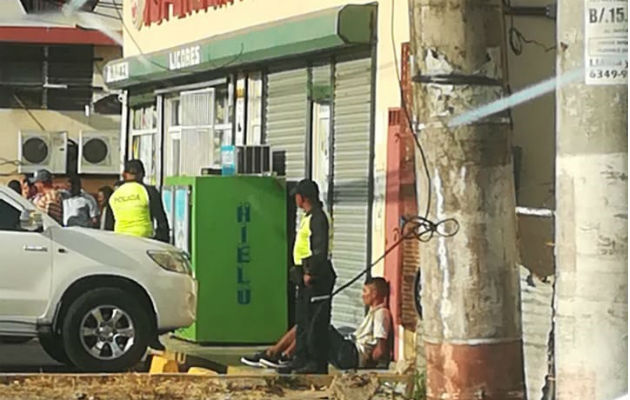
146 12
185 57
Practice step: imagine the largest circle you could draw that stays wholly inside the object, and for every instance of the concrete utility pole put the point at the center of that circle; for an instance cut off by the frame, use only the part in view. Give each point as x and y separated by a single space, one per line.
591 324
471 298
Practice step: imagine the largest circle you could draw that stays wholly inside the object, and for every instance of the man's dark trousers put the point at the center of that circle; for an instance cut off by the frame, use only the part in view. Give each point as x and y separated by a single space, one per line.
312 320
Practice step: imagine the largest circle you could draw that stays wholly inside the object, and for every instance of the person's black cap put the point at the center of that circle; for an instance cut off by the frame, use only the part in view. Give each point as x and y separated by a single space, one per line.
307 188
134 167
43 175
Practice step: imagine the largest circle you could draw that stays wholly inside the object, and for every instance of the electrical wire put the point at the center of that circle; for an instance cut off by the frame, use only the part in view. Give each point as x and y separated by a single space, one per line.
103 15
408 114
60 4
109 5
17 98
422 229
516 38
164 67
418 228
6 161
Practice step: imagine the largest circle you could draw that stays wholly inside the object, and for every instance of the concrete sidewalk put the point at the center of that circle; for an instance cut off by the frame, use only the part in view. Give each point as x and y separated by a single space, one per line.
217 357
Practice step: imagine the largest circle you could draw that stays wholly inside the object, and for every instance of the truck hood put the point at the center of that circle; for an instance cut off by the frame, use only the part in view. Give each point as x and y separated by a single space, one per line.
117 240
107 248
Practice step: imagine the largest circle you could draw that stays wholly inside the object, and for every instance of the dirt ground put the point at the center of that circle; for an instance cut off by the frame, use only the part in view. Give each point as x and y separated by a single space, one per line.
189 387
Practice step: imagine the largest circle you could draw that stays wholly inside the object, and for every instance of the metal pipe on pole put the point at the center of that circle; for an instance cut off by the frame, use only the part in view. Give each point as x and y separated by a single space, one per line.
591 316
470 288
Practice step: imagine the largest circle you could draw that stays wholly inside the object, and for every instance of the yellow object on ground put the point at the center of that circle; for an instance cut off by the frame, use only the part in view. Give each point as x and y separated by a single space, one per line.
162 365
201 371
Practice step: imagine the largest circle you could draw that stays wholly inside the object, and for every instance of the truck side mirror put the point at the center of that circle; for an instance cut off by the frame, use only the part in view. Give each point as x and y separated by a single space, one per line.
31 220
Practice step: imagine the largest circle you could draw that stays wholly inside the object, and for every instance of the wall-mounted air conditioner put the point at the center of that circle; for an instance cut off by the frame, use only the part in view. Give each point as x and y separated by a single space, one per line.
99 152
253 160
37 150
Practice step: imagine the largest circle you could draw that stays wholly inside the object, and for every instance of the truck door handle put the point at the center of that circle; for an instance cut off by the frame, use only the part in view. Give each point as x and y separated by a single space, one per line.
35 248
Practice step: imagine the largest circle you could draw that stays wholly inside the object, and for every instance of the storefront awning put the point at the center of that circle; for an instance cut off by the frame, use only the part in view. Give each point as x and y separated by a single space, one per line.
329 29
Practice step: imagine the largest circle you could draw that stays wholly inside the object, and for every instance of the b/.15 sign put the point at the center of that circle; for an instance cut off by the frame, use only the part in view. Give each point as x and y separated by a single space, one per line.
146 12
606 42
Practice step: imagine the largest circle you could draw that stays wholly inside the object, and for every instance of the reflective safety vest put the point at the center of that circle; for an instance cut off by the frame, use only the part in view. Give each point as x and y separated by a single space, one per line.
305 245
130 205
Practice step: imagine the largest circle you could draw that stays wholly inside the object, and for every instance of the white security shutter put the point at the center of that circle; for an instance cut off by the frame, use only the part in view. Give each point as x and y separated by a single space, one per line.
286 118
351 175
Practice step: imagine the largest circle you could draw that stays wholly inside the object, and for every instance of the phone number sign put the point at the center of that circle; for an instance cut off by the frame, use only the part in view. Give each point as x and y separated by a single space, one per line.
606 42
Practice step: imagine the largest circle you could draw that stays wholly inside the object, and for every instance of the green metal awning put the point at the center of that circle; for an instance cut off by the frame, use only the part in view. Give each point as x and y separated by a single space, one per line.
334 28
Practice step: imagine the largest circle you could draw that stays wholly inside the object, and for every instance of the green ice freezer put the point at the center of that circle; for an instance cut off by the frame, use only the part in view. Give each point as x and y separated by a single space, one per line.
238 245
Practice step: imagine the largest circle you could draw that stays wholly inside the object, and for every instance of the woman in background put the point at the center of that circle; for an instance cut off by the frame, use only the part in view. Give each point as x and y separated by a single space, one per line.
107 216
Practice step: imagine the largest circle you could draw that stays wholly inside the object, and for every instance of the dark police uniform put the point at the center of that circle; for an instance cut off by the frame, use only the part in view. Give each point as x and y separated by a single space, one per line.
311 255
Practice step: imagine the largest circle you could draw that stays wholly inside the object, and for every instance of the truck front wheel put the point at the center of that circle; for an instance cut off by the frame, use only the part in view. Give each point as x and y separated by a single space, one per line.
53 346
106 330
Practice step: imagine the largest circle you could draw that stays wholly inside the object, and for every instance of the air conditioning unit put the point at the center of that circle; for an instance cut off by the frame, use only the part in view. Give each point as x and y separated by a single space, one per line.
39 150
253 160
99 152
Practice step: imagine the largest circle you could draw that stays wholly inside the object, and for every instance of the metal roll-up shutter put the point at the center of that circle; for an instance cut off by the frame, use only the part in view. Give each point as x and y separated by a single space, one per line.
286 118
351 184
321 75
321 83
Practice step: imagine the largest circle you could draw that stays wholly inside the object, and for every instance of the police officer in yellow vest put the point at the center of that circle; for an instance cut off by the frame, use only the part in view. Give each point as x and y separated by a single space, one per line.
314 274
136 206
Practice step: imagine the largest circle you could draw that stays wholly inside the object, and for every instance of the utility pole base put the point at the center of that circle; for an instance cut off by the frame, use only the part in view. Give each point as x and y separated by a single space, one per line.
475 371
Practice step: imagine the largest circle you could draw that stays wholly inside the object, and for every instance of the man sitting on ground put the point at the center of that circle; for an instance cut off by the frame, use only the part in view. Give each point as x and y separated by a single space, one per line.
367 347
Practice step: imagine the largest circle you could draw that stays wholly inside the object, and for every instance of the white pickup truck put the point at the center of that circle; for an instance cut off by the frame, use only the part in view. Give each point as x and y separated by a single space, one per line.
94 299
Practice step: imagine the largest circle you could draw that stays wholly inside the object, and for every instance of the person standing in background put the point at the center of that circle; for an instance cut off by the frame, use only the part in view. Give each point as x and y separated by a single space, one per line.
80 208
16 186
136 206
48 199
28 189
107 216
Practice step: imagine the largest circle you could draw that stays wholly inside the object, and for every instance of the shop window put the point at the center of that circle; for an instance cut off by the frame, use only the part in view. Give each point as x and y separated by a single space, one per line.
173 130
254 108
143 142
222 134
320 145
206 125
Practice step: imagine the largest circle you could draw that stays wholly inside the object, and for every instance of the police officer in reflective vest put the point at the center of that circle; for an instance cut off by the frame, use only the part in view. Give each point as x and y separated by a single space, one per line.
314 274
136 205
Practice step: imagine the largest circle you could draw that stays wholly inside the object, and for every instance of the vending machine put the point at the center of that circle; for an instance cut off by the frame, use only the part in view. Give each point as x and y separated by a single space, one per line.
235 230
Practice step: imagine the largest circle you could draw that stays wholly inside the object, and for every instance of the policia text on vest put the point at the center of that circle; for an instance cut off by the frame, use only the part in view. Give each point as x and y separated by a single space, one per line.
135 207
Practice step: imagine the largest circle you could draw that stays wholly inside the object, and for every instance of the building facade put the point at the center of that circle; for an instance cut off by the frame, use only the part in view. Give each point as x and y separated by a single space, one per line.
314 80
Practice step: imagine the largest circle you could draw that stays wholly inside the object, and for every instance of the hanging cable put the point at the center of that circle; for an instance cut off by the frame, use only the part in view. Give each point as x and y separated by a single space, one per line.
164 67
422 229
61 3
418 228
516 38
30 114
408 114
